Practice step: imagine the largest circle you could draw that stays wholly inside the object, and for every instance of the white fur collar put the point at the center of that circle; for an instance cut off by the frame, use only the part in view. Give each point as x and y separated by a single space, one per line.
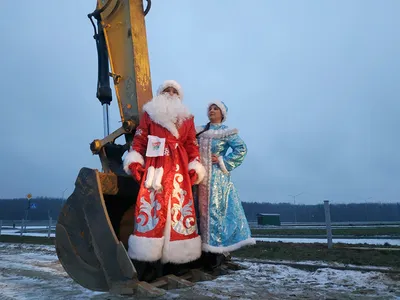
218 133
157 113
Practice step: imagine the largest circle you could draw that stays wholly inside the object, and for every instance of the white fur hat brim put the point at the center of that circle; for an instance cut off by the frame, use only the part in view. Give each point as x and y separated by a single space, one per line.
173 84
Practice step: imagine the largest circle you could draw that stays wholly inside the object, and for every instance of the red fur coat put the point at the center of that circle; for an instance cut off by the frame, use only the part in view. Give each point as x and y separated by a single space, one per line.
165 221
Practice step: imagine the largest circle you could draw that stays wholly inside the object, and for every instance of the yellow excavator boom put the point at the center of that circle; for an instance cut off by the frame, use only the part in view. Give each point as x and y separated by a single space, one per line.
123 22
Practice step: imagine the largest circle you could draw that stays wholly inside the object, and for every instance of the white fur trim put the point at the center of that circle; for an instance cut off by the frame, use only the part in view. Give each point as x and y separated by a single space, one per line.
154 178
132 157
171 83
183 251
145 249
167 231
158 175
221 106
200 170
222 164
219 133
149 178
216 249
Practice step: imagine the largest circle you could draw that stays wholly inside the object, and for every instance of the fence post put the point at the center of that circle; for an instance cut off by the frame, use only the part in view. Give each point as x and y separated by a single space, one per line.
49 232
328 223
22 227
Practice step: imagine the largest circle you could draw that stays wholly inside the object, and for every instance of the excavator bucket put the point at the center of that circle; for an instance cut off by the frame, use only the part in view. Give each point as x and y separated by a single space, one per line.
93 230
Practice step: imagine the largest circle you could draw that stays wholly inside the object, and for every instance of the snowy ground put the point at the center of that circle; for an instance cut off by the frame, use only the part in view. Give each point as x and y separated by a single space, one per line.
33 272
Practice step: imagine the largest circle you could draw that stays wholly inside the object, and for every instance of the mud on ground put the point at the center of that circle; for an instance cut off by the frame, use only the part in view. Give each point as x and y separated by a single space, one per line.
357 254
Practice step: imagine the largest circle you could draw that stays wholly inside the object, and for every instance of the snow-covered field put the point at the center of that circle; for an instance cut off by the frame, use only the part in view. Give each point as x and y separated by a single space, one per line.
33 272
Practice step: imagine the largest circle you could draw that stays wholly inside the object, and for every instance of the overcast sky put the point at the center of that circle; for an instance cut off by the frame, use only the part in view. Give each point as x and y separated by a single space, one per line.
312 86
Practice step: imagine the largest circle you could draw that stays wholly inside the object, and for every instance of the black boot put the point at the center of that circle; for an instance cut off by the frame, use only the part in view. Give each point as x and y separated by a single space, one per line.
176 269
147 271
209 261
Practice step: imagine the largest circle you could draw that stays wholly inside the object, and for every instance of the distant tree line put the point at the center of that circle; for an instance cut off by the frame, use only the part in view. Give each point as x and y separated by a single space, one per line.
40 208
351 212
43 207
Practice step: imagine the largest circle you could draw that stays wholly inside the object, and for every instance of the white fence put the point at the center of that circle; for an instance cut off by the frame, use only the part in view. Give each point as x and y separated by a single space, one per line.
28 227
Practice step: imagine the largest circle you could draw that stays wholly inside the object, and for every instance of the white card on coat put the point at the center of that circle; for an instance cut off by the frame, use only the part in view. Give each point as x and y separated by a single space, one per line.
155 146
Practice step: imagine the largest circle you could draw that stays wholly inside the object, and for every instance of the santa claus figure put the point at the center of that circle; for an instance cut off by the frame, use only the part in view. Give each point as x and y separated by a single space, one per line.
164 159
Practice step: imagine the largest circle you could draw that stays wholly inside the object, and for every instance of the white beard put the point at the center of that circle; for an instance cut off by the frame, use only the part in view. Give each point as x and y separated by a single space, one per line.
168 111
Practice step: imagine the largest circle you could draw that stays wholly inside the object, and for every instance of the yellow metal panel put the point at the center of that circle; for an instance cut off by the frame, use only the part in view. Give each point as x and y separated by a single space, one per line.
125 32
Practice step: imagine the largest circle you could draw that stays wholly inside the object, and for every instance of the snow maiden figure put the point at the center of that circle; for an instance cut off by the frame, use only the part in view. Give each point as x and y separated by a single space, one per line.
223 224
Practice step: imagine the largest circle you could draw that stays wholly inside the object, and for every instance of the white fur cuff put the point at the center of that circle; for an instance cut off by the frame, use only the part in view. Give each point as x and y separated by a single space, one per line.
222 164
132 157
199 168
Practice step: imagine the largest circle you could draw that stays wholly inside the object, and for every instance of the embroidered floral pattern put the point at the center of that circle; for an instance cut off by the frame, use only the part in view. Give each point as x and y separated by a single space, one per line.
182 216
148 219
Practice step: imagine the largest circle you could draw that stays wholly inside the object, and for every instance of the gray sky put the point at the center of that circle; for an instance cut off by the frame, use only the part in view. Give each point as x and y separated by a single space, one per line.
312 87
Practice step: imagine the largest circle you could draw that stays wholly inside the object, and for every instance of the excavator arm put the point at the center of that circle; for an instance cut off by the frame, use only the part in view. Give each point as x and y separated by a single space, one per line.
121 41
121 24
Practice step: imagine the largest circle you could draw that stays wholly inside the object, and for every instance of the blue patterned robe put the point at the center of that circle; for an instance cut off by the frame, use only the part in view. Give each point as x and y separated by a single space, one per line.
223 224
